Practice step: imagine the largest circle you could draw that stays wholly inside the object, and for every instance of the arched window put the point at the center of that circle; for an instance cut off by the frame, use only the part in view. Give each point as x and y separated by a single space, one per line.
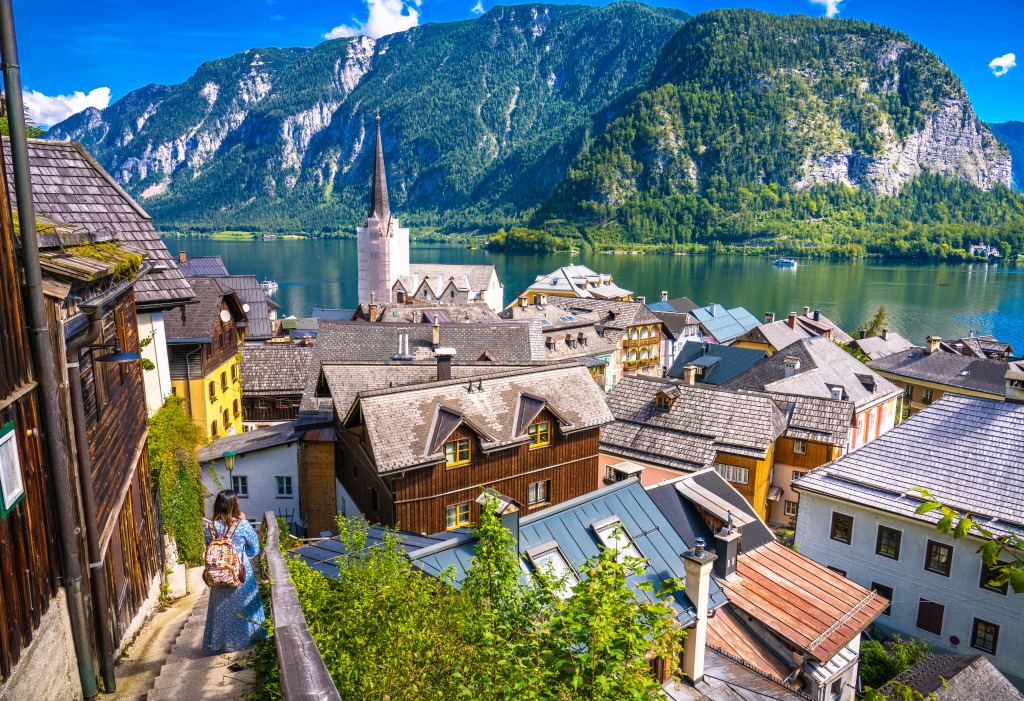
632 355
645 332
643 354
633 334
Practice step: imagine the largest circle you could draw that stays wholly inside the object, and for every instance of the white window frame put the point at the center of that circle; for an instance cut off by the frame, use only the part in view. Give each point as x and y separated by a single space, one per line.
11 477
796 508
733 473
534 489
612 533
242 480
797 474
550 558
799 446
285 481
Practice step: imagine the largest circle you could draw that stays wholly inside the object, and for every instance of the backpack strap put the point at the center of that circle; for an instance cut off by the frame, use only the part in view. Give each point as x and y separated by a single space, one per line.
212 529
231 531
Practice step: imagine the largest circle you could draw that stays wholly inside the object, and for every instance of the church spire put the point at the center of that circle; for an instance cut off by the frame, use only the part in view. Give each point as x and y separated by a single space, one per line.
380 208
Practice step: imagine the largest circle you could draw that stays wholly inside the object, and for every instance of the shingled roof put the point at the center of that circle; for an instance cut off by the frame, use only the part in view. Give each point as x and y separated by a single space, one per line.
955 678
878 347
251 441
406 426
816 418
930 449
248 289
701 422
274 369
437 276
70 186
199 321
202 266
781 333
616 316
978 374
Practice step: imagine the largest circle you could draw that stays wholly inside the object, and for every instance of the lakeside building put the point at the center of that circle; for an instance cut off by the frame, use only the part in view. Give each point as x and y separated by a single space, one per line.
858 515
885 343
926 374
434 282
772 336
575 281
201 266
420 313
204 340
69 186
986 346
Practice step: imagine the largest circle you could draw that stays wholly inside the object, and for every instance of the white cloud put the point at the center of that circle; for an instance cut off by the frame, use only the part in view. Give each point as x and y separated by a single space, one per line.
48 110
386 17
831 6
1002 64
478 8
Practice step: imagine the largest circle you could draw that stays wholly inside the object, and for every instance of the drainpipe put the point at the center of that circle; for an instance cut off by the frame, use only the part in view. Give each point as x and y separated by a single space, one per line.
42 354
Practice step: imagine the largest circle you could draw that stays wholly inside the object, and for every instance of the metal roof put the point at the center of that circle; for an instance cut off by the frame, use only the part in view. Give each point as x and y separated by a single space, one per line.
732 360
723 324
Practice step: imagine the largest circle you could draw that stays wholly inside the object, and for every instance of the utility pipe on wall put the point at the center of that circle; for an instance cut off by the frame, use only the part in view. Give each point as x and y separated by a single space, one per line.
42 353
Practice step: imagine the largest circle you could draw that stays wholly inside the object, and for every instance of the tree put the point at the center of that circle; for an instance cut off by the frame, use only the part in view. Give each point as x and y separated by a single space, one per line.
32 130
1004 250
880 662
876 324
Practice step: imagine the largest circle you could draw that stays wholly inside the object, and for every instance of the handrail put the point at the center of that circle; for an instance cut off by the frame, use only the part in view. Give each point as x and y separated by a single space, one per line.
302 672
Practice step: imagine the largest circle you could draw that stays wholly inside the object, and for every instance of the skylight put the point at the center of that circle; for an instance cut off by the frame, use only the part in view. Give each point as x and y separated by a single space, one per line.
550 560
612 534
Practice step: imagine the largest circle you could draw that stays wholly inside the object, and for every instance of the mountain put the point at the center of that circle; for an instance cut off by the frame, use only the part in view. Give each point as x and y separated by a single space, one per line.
622 123
479 117
1012 134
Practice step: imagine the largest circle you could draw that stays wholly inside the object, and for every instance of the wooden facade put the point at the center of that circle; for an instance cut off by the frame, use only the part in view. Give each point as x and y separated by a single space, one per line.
268 410
788 462
317 491
759 473
416 500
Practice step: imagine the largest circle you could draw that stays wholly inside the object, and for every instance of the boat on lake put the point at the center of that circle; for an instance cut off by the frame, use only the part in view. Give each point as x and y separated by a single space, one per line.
784 263
268 285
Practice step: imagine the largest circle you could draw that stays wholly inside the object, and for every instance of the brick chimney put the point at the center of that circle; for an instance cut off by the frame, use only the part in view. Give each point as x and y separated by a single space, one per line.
792 365
727 545
769 317
807 311
885 333
444 363
1014 379
664 295
182 257
690 374
932 344
698 563
792 320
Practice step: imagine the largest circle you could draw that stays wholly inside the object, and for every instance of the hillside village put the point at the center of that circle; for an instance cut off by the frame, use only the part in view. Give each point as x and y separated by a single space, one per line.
764 467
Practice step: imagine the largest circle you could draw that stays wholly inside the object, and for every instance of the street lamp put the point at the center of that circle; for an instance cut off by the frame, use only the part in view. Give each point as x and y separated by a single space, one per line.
229 463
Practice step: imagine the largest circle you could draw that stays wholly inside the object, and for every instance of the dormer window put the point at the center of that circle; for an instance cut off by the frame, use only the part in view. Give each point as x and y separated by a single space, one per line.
550 560
612 534
540 434
457 452
662 403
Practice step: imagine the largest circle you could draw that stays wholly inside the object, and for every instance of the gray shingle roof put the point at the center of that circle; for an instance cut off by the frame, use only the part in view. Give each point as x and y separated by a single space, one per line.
982 374
202 266
816 418
579 281
247 287
697 425
731 361
200 319
877 347
70 186
780 334
675 323
250 441
956 678
613 314
479 275
275 369
931 450
822 363
399 420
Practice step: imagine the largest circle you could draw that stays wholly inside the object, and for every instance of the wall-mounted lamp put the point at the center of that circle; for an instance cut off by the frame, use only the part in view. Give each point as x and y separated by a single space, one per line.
116 355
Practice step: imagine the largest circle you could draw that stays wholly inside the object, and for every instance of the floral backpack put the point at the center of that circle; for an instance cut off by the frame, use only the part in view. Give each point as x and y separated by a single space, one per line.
224 565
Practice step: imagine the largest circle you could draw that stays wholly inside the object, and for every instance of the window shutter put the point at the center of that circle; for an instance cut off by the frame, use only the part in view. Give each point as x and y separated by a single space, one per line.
929 616
11 480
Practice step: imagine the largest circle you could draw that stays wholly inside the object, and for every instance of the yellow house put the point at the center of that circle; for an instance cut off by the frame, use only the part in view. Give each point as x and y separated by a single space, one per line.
203 348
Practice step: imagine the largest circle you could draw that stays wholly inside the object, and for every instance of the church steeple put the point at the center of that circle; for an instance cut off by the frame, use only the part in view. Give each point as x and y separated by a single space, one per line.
380 208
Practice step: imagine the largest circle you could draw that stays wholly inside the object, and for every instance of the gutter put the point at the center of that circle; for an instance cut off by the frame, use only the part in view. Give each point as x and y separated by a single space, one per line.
42 356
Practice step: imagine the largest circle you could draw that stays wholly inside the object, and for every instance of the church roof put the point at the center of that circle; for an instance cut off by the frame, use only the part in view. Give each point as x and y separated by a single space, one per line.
380 208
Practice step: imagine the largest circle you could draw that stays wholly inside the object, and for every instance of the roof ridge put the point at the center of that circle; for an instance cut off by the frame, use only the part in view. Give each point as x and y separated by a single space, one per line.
514 372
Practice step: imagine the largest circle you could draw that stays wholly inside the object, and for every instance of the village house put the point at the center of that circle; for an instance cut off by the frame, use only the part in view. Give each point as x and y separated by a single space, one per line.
414 457
818 367
272 379
204 341
721 325
575 281
772 336
458 284
885 343
422 313
858 515
985 346
69 186
715 364
679 329
926 374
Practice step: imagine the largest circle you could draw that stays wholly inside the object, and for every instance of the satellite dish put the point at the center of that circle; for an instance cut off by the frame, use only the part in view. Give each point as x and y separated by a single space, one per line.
245 308
225 315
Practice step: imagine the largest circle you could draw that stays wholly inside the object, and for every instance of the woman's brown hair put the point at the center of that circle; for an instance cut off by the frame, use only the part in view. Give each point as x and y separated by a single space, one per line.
225 507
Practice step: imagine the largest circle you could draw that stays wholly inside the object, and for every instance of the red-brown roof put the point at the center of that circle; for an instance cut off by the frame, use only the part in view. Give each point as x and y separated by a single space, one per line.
810 606
730 635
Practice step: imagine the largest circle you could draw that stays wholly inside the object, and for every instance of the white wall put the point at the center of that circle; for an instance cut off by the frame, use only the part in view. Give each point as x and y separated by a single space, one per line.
157 381
959 593
261 467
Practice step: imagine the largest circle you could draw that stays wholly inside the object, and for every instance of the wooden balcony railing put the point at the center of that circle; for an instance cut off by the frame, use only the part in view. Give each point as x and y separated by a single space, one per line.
637 342
303 674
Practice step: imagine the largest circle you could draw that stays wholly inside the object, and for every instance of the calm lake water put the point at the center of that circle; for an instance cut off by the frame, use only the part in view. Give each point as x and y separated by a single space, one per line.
978 297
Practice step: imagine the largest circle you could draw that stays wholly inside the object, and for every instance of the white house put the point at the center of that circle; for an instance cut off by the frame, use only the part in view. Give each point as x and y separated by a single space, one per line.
857 516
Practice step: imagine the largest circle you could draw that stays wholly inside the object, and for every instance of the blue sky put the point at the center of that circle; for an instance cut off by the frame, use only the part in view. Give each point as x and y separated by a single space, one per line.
76 54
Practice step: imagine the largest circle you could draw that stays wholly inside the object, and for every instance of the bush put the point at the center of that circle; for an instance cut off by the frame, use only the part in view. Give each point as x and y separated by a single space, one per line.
881 662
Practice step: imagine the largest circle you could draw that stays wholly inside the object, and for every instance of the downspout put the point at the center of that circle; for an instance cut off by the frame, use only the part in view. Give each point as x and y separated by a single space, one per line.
93 309
42 354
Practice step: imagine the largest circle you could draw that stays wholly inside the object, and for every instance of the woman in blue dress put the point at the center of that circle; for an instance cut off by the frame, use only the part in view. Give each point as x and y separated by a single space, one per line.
235 616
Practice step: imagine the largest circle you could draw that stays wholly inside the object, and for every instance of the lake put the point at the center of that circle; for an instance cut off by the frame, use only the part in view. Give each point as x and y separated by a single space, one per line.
920 299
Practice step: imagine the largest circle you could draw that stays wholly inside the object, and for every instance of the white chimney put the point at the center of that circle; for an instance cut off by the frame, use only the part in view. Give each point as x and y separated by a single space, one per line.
689 374
769 317
807 311
933 344
698 563
885 334
664 295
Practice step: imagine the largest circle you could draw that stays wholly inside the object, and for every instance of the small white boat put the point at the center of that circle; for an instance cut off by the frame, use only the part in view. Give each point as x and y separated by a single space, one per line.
268 285
784 263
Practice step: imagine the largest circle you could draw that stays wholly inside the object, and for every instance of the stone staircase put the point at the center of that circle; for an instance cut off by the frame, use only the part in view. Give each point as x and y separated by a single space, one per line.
189 673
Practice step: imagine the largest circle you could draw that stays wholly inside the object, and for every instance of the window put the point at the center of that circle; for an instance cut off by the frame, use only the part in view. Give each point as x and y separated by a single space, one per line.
456 515
887 544
908 392
929 616
213 390
988 574
213 428
797 474
11 480
645 332
791 507
836 689
540 492
234 406
284 486
375 502
224 382
985 636
612 534
227 419
609 472
234 372
841 573
633 334
550 559
926 396
732 473
799 446
540 434
842 527
662 403
885 592
240 483
939 558
456 452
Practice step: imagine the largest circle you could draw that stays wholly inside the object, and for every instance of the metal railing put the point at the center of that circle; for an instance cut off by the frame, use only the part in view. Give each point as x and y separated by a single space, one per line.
302 671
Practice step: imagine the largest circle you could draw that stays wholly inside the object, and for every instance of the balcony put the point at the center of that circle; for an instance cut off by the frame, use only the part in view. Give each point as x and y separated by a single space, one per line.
639 342
646 363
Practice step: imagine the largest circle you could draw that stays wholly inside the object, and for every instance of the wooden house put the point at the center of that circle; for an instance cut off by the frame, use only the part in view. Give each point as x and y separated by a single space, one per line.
415 456
273 377
203 343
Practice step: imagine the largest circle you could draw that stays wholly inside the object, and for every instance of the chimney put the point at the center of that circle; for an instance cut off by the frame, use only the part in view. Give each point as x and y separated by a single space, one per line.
933 344
885 333
541 299
436 336
524 301
727 542
506 508
1014 379
182 257
711 308
836 392
792 365
641 299
807 311
792 320
444 363
817 315
371 310
769 317
664 295
698 563
690 374
863 334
